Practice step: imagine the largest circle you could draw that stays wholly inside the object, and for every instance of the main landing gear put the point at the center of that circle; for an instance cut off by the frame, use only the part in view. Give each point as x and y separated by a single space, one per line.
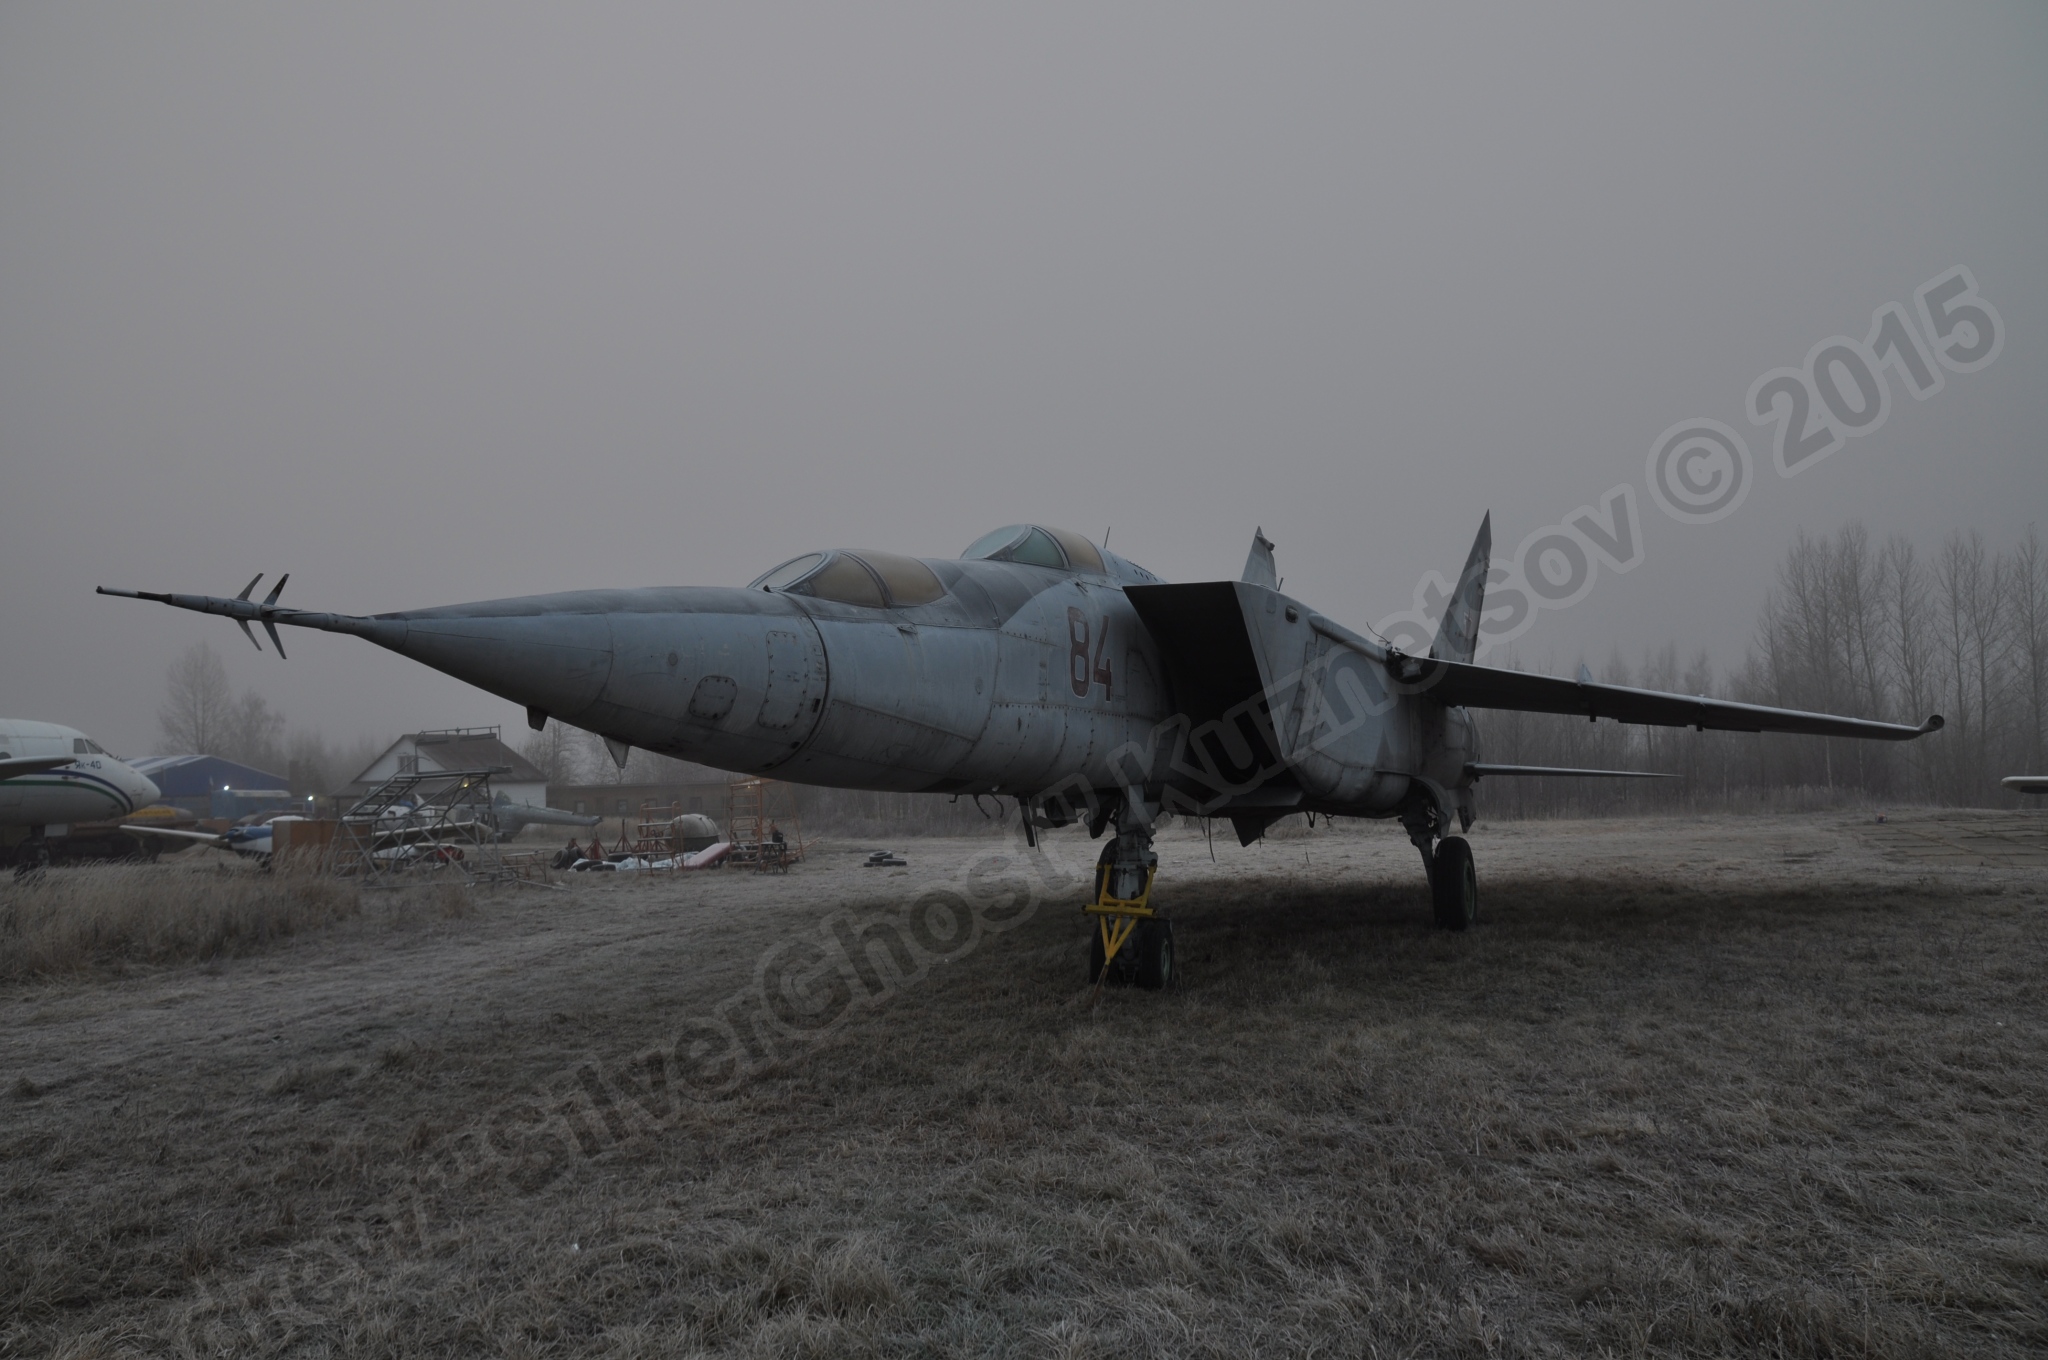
1132 945
32 856
1447 860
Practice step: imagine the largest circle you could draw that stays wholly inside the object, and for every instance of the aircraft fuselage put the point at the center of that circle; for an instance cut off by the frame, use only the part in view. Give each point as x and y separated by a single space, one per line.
79 782
1010 678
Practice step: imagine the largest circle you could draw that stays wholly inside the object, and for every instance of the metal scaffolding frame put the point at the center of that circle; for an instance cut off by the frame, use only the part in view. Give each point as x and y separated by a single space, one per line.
752 805
433 820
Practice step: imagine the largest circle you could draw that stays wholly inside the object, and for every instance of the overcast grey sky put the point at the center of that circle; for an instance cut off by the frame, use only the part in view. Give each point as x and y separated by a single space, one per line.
426 304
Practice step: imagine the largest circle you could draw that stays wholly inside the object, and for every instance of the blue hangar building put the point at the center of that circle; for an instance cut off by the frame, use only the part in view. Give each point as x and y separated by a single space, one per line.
210 786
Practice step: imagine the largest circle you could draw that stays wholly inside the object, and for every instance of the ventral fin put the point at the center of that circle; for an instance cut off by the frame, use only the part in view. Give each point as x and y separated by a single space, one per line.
619 749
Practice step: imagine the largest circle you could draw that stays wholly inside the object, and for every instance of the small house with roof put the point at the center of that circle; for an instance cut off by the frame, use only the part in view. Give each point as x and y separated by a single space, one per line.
454 748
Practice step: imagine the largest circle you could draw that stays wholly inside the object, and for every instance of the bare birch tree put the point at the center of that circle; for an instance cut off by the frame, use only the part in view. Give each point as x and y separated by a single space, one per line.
198 713
556 753
2027 589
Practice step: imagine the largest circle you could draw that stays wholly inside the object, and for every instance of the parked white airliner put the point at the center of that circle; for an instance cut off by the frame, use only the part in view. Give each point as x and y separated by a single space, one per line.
52 776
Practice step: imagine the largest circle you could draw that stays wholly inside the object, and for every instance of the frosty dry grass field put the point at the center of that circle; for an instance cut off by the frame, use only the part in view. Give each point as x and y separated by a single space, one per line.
111 918
1710 1087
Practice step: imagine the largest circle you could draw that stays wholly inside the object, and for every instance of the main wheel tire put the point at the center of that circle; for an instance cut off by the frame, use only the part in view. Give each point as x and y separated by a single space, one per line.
1156 962
1454 885
31 857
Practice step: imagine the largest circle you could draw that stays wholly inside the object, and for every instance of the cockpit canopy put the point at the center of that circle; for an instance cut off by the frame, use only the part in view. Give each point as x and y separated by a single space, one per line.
881 580
877 580
1037 546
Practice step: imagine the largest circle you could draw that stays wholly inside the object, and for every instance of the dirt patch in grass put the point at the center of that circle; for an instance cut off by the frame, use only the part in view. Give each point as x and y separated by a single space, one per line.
1691 1087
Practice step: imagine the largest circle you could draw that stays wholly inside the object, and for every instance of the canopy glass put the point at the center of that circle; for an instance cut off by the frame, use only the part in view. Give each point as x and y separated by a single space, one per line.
875 580
1037 546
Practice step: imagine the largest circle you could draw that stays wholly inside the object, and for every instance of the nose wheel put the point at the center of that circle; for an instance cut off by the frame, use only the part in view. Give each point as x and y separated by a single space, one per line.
1131 945
1144 959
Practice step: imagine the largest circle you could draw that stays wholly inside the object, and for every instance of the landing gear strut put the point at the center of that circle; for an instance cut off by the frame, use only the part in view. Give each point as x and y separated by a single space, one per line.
32 856
1447 860
1131 943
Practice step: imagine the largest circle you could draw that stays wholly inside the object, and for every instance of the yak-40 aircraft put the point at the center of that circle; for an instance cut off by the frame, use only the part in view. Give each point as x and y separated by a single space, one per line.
52 776
1040 666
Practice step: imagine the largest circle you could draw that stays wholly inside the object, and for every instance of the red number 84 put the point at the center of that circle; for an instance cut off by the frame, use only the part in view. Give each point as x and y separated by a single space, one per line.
1080 673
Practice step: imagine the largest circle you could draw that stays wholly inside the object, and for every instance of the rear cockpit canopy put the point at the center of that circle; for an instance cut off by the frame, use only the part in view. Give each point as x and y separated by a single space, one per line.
1037 546
876 580
883 580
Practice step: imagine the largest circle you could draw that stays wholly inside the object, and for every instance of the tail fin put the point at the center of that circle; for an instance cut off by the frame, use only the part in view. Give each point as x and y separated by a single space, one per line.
1259 567
1457 639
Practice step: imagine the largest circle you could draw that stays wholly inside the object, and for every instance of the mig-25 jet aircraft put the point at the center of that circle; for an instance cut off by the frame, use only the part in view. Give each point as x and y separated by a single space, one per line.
1040 666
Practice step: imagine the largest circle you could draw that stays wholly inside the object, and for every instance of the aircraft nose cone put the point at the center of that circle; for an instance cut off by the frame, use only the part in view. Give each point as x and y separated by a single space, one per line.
732 678
146 793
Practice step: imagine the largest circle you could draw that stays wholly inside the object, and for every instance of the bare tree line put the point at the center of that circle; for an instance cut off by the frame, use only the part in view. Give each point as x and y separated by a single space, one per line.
1874 631
202 715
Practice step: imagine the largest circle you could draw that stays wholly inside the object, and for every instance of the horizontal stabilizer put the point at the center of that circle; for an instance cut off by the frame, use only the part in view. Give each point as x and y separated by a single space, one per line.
1471 686
2026 783
1478 771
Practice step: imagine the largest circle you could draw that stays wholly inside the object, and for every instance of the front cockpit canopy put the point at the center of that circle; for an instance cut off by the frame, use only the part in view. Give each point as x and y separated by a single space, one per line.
876 580
1037 546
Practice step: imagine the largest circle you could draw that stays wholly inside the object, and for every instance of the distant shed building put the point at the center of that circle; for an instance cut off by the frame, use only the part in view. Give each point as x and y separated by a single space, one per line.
692 788
455 748
211 786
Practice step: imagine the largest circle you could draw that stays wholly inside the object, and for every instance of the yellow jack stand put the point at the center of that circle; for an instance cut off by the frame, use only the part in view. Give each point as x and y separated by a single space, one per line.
1118 917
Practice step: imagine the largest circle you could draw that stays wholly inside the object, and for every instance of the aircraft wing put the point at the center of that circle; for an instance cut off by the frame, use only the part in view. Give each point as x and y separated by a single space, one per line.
1473 686
2026 783
203 837
16 766
1479 770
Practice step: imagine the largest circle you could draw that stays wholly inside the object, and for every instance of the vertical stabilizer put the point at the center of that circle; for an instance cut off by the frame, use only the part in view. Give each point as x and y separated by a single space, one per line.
1259 567
1457 639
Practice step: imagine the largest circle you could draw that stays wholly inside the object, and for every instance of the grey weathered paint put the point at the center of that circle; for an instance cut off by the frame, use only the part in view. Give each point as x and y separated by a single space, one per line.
1234 697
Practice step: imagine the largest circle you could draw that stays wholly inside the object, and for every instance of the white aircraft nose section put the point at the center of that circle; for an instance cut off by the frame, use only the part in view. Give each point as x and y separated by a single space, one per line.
143 792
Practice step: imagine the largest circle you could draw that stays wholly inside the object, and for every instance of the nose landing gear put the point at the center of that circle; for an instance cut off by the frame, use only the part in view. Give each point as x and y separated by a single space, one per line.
1132 944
